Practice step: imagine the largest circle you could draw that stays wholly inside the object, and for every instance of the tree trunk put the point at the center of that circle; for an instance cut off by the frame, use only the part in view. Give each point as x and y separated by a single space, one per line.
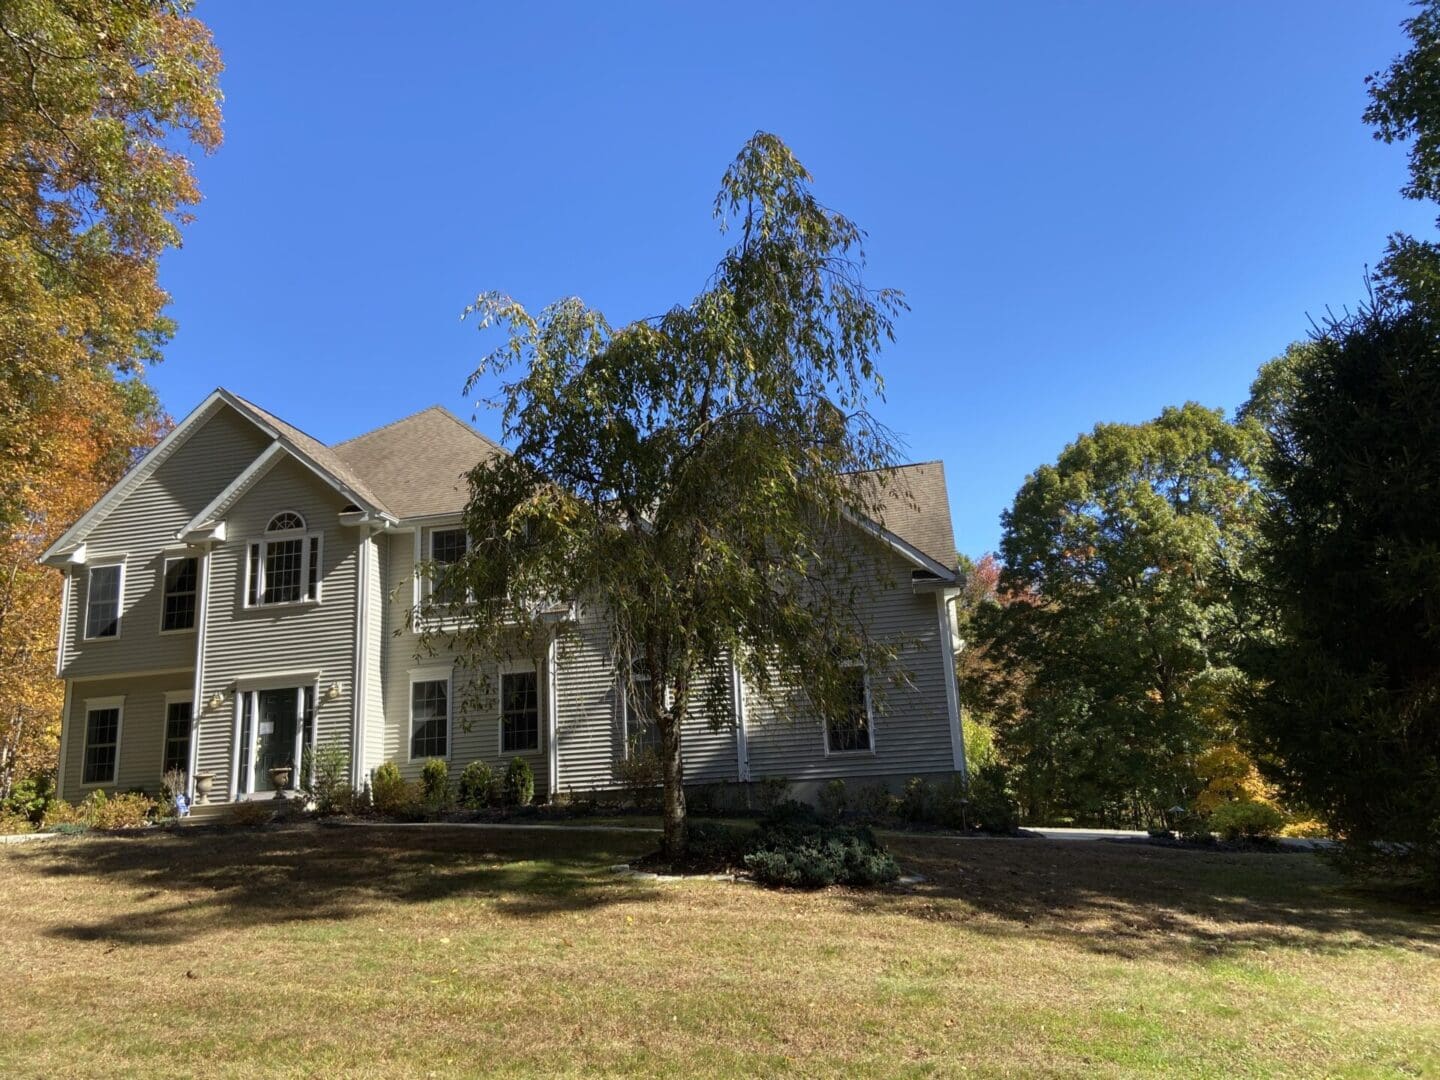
673 769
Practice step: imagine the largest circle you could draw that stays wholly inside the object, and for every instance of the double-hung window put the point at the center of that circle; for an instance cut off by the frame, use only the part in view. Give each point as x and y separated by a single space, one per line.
447 547
284 566
177 736
519 711
429 715
102 600
849 732
642 732
102 740
181 583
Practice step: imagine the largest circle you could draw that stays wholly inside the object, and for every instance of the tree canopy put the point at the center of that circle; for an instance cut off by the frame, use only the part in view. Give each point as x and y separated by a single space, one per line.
1118 636
99 100
686 477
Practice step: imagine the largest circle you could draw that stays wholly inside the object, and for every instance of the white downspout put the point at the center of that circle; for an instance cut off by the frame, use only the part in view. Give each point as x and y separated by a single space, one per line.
742 748
946 643
197 701
552 684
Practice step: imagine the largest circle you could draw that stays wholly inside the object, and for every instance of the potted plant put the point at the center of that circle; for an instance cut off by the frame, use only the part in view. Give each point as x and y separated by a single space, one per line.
204 781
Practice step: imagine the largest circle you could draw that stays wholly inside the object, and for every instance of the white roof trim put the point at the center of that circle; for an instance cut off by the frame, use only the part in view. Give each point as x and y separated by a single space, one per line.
232 491
901 546
304 458
132 479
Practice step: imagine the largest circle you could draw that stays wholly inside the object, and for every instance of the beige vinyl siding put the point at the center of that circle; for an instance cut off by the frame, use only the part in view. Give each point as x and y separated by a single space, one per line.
475 724
140 528
250 643
910 722
142 732
592 725
377 645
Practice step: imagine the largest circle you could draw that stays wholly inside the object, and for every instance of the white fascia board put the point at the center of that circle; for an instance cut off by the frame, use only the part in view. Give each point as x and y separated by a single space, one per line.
305 459
232 491
127 483
901 547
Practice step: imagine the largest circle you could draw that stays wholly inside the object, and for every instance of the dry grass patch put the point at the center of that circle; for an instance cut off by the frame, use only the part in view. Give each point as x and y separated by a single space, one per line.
389 952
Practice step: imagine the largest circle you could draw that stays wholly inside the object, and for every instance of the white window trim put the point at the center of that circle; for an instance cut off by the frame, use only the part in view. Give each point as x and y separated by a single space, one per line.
428 586
518 667
95 705
164 573
625 709
119 600
869 729
175 697
310 537
430 674
254 686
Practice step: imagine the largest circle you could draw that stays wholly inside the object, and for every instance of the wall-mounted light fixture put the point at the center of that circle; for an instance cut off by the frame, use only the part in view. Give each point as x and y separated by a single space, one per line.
332 692
215 701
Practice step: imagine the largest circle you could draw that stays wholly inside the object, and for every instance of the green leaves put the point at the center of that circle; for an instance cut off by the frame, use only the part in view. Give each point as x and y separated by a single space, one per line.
685 477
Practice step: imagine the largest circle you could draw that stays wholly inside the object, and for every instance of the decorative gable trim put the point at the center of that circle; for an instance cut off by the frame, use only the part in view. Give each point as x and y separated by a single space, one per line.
74 536
208 519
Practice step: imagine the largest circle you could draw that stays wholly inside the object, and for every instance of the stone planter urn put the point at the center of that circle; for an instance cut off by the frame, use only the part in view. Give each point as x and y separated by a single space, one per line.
204 781
280 779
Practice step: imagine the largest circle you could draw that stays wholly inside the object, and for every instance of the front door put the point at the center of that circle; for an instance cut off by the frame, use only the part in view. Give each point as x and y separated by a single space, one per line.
275 736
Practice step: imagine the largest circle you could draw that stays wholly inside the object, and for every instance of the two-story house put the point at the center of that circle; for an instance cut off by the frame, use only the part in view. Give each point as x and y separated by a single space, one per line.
243 592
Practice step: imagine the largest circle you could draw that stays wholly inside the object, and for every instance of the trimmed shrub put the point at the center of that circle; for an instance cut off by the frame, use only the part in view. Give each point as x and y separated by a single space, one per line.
770 792
388 791
1247 820
11 823
811 858
715 847
251 813
519 783
30 797
477 786
832 799
917 805
875 803
991 807
130 810
641 774
435 784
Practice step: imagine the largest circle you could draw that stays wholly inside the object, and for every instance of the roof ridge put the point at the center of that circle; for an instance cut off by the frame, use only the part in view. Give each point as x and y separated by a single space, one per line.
471 428
275 416
389 425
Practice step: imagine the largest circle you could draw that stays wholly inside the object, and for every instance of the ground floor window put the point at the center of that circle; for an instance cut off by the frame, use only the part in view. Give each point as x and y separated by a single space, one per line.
102 741
276 726
642 732
429 718
519 711
849 731
177 737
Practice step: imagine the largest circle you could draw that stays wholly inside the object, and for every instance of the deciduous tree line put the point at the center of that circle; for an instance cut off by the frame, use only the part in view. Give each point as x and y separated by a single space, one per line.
1202 608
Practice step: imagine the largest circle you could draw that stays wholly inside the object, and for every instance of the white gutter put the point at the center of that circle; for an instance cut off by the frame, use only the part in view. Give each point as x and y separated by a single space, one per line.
552 686
945 642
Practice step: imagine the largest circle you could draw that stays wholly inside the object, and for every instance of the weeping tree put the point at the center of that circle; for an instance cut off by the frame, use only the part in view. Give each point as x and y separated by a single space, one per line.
686 480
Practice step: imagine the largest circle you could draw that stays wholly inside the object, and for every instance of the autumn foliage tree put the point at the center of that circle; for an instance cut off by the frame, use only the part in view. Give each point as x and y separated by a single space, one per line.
99 102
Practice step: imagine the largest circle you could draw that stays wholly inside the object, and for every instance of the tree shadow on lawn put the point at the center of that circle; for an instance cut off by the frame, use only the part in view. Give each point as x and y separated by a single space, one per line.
1134 900
233 879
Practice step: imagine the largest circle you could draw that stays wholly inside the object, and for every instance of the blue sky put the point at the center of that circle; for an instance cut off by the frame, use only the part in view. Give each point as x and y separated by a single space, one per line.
1095 209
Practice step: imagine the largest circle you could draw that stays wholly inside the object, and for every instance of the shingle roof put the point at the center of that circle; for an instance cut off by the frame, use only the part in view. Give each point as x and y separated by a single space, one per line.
318 452
418 464
916 508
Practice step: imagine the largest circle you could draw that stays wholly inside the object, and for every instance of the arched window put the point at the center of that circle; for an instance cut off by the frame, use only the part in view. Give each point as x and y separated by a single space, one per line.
285 521
284 567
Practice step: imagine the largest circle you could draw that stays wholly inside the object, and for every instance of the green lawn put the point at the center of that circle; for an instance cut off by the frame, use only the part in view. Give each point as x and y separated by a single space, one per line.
398 952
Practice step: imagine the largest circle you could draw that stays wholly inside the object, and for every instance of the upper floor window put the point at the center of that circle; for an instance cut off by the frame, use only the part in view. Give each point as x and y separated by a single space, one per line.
181 580
850 731
284 567
447 547
102 601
